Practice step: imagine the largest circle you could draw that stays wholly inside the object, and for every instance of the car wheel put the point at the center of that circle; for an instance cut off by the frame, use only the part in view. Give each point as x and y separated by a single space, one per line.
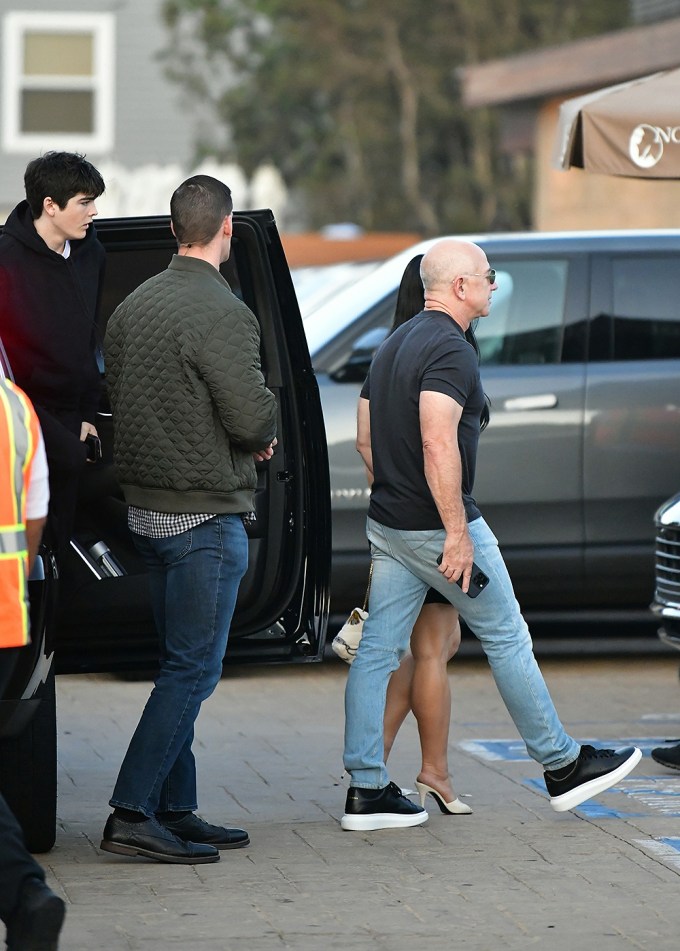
28 773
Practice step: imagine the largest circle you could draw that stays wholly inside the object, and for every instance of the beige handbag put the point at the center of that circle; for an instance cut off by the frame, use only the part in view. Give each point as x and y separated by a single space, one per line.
346 641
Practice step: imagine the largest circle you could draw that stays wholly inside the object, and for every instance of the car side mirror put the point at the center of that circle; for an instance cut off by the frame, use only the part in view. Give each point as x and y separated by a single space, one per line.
356 367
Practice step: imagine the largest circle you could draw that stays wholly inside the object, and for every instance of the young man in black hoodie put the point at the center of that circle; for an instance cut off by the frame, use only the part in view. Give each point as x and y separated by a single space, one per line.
51 266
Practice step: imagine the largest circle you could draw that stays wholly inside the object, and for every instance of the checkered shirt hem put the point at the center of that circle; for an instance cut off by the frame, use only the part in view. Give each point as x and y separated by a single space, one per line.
163 524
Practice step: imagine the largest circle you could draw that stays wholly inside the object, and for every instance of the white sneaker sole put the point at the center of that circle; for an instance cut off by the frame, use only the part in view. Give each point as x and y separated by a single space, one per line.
382 820
573 798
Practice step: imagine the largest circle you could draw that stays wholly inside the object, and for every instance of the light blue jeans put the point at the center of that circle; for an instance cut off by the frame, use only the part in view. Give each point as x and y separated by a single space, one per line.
404 567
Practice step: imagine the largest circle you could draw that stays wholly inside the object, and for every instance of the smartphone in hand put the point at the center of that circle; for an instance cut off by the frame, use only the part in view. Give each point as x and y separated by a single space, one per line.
94 448
478 580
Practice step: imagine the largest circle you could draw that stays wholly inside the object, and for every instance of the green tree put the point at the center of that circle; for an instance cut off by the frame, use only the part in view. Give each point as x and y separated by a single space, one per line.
357 102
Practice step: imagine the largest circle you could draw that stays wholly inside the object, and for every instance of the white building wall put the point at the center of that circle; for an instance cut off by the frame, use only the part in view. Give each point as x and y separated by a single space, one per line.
154 130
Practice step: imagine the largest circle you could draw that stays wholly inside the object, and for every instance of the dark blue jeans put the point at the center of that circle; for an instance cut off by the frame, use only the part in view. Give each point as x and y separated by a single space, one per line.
194 581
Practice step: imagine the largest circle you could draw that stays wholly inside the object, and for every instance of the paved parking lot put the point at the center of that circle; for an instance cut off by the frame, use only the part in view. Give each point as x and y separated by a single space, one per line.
513 875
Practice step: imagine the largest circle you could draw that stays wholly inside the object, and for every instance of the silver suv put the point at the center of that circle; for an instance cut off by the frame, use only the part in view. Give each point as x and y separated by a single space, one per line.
581 361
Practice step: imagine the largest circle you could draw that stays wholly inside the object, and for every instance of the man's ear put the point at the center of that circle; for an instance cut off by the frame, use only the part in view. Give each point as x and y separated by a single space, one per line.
50 206
228 227
172 227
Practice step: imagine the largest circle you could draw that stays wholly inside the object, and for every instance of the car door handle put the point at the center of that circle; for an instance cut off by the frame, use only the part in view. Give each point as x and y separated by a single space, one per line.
540 401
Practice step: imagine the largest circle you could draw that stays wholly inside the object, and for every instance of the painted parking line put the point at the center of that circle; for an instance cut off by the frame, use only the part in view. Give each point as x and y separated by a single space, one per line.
663 847
511 751
659 795
514 751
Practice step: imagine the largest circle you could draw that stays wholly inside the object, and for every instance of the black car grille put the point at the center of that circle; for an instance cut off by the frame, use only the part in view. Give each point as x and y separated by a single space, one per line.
668 564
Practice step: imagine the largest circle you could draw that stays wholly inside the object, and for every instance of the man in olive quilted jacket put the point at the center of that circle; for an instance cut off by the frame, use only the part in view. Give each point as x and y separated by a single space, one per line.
191 415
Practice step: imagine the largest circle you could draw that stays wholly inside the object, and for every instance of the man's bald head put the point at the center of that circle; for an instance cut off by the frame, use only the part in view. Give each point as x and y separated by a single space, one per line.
457 280
447 259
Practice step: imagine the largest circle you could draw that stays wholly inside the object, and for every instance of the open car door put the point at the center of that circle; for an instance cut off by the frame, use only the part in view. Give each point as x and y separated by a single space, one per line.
105 620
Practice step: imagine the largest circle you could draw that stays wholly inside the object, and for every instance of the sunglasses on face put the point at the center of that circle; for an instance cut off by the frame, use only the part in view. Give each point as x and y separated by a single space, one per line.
490 275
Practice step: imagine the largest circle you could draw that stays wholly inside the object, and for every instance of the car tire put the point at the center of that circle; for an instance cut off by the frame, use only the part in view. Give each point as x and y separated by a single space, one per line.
28 773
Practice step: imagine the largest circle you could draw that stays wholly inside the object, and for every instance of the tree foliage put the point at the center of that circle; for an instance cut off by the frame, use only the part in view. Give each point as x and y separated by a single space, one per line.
357 102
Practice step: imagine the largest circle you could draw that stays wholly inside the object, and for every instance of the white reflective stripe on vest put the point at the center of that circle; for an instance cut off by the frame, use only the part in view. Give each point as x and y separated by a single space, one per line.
12 540
18 428
19 443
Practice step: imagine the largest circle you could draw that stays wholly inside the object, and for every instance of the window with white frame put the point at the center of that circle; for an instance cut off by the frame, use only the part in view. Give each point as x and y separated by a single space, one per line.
58 81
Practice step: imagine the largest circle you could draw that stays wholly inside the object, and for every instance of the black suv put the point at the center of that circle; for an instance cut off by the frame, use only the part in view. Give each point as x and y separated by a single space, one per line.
104 621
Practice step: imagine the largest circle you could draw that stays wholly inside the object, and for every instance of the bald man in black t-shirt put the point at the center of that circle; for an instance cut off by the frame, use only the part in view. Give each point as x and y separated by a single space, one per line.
418 430
428 353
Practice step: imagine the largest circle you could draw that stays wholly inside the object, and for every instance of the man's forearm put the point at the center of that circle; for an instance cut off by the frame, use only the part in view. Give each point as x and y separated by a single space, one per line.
443 472
34 531
367 457
363 443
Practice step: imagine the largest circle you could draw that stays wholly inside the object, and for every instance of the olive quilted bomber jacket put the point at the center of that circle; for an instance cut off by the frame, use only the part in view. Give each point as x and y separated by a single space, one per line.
189 400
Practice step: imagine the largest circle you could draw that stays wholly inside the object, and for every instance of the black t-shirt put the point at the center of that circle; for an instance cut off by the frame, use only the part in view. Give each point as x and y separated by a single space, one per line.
428 352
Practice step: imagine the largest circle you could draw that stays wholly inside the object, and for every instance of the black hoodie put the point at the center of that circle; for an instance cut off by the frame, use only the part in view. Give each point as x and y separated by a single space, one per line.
48 306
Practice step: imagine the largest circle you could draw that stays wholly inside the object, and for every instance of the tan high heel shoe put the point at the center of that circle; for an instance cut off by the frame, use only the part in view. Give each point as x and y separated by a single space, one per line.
453 808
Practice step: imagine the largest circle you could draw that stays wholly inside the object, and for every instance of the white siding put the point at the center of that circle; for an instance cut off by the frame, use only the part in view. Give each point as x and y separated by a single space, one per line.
150 124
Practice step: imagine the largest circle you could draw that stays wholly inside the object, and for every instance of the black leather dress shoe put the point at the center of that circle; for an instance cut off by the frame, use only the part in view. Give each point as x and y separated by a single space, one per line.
667 755
153 841
191 828
37 920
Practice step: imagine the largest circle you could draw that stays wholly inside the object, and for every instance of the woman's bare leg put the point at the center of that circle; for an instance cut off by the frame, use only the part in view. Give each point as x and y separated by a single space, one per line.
398 701
421 683
435 639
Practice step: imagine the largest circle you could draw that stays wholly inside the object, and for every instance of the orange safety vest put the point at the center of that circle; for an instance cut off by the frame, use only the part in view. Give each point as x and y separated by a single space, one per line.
19 435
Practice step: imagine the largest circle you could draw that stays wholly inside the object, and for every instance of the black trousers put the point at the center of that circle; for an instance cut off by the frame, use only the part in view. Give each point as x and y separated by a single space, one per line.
66 460
16 862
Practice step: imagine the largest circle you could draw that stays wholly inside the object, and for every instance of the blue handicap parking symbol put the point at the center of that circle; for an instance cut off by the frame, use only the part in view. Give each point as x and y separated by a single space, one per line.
508 750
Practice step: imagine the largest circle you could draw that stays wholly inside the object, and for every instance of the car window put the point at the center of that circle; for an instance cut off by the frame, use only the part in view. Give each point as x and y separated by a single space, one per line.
315 285
645 321
526 322
336 354
525 326
128 267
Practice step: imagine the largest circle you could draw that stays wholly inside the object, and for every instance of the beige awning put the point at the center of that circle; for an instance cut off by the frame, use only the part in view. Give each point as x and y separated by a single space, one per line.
631 129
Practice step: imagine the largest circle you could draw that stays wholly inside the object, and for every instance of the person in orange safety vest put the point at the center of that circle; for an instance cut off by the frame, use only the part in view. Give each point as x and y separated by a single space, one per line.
31 911
19 441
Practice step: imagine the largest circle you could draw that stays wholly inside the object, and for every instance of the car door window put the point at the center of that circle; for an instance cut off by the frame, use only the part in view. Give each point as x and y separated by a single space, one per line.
529 477
339 352
645 320
525 325
632 430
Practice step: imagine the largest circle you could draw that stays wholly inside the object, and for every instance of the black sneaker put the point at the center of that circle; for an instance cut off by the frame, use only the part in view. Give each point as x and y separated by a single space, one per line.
387 808
592 773
668 756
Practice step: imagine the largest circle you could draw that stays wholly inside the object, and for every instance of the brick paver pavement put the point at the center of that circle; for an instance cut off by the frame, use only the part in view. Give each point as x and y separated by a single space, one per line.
513 875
